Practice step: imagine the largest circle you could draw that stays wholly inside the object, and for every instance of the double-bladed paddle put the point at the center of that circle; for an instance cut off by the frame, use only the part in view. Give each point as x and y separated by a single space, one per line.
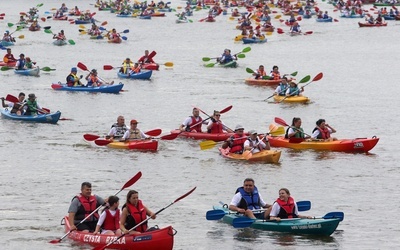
305 79
221 111
282 122
127 184
239 55
84 68
144 221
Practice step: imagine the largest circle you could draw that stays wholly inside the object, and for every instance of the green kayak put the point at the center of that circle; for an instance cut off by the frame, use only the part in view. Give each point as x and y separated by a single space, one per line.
318 226
231 64
385 4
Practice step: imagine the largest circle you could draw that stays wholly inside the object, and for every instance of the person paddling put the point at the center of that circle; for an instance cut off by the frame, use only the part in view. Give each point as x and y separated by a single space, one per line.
108 223
146 58
260 72
236 141
215 125
134 133
254 144
285 207
126 65
192 123
226 57
60 36
32 107
295 130
17 107
9 57
73 80
118 129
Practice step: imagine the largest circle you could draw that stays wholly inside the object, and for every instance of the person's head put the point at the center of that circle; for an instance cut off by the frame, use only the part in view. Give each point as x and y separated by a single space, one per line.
31 97
86 189
62 32
22 56
94 72
136 65
112 200
248 185
253 134
284 80
292 84
28 59
320 123
7 32
284 194
8 51
217 115
120 120
21 97
296 122
74 70
114 30
196 112
134 123
261 67
132 197
146 52
239 129
128 60
275 68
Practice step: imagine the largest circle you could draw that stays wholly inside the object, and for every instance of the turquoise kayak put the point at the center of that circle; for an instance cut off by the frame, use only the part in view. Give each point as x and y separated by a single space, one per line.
41 118
6 43
28 72
60 42
115 89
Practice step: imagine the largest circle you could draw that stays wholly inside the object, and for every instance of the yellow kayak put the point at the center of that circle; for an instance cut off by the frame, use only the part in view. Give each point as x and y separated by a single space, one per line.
291 99
267 156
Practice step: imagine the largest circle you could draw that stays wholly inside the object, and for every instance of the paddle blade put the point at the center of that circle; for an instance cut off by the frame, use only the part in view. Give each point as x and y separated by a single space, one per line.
226 109
82 66
279 131
183 196
21 37
102 142
12 98
43 19
241 56
210 65
10 24
132 180
280 121
48 31
47 69
169 64
90 137
308 32
278 16
303 205
207 144
305 79
108 67
169 137
72 42
334 215
154 132
206 59
250 71
124 38
215 214
318 77
104 23
242 222
247 154
47 27
125 31
5 68
294 73
247 49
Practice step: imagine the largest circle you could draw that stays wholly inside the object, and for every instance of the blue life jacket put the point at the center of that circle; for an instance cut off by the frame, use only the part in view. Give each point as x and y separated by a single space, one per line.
294 91
249 201
21 64
283 89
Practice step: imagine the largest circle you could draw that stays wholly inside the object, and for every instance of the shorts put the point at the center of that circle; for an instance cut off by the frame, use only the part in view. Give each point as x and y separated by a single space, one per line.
89 225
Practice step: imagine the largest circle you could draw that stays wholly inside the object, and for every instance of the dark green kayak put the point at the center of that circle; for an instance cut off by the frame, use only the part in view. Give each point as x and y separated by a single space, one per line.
231 64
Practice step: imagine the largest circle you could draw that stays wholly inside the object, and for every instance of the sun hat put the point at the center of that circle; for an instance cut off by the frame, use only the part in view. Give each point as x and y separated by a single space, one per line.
239 127
134 121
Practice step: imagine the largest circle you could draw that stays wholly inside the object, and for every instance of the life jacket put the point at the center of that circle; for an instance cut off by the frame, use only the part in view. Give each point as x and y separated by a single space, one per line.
120 130
21 63
135 134
297 135
193 122
227 58
92 79
283 88
29 65
146 59
216 128
71 79
295 28
16 106
275 75
135 70
261 72
87 207
237 144
287 208
137 214
252 144
323 133
294 91
32 108
9 58
126 66
111 222
249 200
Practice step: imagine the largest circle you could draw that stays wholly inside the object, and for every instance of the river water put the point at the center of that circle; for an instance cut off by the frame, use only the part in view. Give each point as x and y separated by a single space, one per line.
42 166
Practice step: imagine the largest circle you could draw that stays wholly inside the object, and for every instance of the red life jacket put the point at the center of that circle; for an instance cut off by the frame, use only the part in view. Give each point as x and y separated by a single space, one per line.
198 126
237 145
287 208
323 133
88 205
216 128
276 76
111 222
138 214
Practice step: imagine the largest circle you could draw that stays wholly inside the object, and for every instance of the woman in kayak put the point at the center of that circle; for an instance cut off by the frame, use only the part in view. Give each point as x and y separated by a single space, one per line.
285 207
215 125
133 213
295 130
294 90
323 131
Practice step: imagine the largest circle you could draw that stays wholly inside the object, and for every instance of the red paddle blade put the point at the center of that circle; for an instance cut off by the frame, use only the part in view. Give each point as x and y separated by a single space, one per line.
280 121
108 67
154 132
82 66
90 137
280 31
318 77
132 180
104 23
226 109
102 142
152 54
12 98
56 86
308 32
46 109
55 241
183 196
169 137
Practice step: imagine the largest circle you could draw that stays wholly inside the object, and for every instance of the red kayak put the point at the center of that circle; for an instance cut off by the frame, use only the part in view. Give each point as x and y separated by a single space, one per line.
161 239
150 66
371 25
11 64
203 136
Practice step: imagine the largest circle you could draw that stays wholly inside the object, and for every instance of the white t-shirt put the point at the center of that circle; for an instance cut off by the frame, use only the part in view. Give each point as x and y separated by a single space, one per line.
252 143
279 91
316 133
276 208
238 196
188 120
104 215
113 131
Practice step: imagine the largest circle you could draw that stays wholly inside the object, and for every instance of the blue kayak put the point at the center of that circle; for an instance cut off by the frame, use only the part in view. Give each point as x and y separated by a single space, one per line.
41 118
6 43
144 17
79 21
324 20
352 16
60 42
28 72
115 89
253 40
144 74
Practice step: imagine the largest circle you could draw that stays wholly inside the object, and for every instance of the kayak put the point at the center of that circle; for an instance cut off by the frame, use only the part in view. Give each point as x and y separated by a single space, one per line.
352 16
11 64
115 40
231 64
126 15
150 145
267 29
324 20
262 82
203 136
150 66
144 74
158 14
62 18
386 4
162 238
294 226
372 25
145 17
28 72
60 42
342 145
210 19
41 118
32 28
182 21
388 17
291 99
266 156
254 40
6 43
115 89
164 10
79 21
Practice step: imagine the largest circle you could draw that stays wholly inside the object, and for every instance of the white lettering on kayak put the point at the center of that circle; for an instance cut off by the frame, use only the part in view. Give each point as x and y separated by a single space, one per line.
358 145
91 238
114 240
305 227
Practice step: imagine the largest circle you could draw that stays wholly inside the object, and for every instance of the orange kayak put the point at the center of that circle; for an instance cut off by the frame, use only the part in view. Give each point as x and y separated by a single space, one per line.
267 156
262 82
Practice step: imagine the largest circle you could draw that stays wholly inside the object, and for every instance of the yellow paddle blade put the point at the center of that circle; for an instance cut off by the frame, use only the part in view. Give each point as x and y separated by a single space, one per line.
247 154
231 18
82 26
53 9
83 32
238 38
179 7
207 144
21 37
269 33
273 127
279 131
169 64
254 17
278 16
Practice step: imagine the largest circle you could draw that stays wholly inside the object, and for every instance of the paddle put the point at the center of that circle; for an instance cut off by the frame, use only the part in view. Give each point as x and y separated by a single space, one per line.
47 69
84 68
222 112
282 122
129 183
219 213
104 142
239 55
305 79
91 137
208 144
144 221
249 153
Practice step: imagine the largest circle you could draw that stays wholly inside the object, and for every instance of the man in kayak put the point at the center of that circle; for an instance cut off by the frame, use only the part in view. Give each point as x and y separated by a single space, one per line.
254 144
192 123
32 107
248 200
118 129
16 108
73 80
134 133
323 131
146 58
21 62
216 126
260 72
7 37
274 74
9 57
236 141
285 207
282 88
82 205
295 28
126 65
60 36
226 57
